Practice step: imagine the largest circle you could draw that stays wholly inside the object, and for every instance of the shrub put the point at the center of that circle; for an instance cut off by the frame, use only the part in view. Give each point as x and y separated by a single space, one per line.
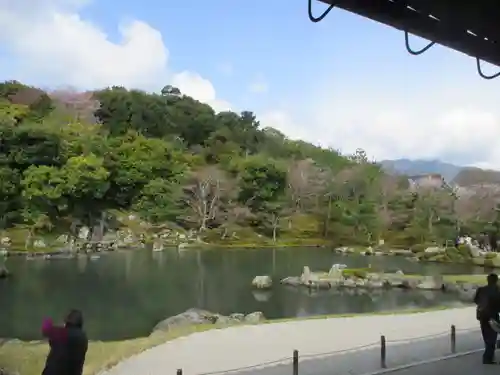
488 263
420 247
453 254
464 251
360 273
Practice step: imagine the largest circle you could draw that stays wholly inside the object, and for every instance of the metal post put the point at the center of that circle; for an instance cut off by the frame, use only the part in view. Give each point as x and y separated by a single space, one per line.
453 339
295 362
383 352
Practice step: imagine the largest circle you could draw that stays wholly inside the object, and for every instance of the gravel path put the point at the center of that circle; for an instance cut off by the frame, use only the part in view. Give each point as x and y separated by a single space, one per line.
239 347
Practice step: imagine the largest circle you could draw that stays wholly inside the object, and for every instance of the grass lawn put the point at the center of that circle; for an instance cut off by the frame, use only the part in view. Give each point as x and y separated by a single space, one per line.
28 358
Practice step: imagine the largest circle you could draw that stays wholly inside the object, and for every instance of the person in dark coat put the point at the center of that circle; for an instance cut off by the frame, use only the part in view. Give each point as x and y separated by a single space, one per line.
68 345
493 242
487 299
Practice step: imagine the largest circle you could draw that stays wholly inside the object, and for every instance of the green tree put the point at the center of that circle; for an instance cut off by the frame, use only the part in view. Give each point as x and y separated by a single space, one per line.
160 201
261 180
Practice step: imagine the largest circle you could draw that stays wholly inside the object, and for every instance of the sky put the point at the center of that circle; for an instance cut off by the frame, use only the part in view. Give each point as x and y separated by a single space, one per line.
344 83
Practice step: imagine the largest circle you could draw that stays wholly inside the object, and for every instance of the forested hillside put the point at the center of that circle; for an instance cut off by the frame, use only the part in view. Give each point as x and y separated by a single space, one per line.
70 159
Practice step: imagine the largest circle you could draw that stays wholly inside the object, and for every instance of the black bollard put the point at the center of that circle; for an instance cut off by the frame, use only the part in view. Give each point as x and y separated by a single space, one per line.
453 339
383 352
295 362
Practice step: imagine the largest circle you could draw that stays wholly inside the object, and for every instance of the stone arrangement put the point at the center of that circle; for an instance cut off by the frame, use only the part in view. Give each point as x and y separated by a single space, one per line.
339 276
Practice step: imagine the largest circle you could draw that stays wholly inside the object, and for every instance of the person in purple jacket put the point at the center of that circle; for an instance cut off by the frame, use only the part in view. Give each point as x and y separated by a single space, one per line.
68 345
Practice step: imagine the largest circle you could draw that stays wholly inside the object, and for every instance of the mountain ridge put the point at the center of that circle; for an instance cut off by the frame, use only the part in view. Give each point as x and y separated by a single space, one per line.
422 166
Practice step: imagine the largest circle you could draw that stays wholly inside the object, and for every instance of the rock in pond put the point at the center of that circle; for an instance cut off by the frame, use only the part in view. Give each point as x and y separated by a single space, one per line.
291 280
262 282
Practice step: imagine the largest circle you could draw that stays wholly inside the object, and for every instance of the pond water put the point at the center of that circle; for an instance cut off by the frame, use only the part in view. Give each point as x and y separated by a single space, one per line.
123 295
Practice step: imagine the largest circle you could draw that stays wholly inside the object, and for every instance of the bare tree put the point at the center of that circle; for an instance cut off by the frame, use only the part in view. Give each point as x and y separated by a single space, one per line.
79 105
304 183
388 186
206 194
476 203
234 214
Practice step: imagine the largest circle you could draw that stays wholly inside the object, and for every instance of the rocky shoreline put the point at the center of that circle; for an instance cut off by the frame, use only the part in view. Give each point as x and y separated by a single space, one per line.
463 254
85 242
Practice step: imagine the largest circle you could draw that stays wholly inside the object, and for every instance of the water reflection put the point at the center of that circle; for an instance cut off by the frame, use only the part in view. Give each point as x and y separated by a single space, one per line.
124 294
262 295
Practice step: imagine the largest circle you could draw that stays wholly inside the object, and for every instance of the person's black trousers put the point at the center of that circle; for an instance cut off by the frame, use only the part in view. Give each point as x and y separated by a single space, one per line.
490 340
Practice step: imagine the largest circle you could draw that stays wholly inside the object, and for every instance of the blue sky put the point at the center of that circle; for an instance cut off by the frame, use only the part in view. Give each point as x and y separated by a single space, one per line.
346 82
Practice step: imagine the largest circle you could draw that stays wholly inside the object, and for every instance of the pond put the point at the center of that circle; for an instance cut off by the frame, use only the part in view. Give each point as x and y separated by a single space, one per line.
124 294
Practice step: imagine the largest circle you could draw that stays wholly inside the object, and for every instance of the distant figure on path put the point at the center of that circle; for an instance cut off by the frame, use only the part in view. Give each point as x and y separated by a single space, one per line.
68 345
483 241
493 242
487 299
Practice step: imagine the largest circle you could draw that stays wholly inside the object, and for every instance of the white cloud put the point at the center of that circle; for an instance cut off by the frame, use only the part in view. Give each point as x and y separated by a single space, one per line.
52 40
456 125
428 124
194 85
282 120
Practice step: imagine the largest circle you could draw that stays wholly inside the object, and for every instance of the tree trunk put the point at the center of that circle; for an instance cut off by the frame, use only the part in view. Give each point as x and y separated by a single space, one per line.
328 216
275 226
203 224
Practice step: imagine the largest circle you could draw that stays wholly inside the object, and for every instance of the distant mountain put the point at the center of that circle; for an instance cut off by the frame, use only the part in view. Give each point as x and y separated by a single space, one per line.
472 176
417 167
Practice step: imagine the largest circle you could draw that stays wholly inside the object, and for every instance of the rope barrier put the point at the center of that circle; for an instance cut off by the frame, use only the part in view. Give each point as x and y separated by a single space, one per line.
382 343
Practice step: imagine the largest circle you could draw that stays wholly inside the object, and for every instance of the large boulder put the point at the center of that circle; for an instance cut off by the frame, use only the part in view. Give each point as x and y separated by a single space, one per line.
320 284
431 283
475 251
493 261
291 280
262 282
306 275
5 242
255 317
187 318
434 250
336 272
202 317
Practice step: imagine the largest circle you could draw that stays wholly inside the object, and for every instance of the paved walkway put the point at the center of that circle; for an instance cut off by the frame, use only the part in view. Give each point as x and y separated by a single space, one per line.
339 346
466 365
